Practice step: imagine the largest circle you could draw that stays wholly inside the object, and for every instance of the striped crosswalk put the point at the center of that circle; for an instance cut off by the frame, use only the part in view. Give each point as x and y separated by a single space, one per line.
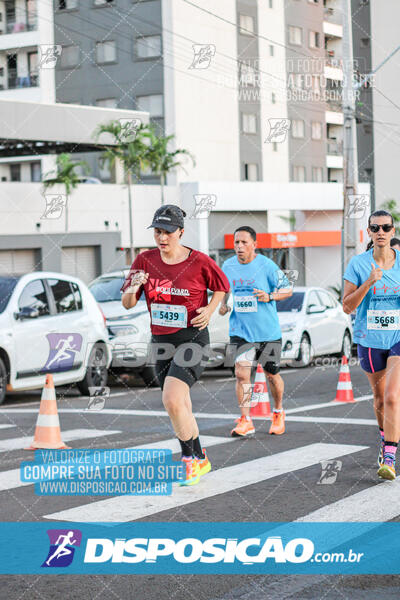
378 502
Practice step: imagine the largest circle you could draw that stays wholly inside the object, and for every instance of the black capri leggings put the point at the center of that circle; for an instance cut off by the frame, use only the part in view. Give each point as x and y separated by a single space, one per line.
188 360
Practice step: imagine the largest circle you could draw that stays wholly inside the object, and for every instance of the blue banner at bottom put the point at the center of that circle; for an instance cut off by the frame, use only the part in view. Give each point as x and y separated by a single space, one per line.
200 548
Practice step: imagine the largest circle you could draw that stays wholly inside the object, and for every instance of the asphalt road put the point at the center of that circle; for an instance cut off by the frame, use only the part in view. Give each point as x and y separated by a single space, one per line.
132 416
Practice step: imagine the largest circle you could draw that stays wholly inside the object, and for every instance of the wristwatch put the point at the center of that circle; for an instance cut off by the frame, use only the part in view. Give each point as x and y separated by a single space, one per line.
270 297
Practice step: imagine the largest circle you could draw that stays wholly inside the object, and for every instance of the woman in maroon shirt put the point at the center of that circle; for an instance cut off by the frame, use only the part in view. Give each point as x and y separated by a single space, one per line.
175 280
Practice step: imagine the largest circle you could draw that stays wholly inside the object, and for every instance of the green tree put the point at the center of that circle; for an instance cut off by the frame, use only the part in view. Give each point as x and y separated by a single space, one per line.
161 160
65 175
130 147
391 206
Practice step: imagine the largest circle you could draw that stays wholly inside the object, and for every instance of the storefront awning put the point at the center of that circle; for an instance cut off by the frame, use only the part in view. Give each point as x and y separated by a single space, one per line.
292 239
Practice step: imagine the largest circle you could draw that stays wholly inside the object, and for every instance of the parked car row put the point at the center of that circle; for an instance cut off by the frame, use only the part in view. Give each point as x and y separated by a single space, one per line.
54 323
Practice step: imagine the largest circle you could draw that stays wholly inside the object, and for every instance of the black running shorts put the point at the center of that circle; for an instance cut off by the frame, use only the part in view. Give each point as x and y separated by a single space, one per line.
268 354
188 361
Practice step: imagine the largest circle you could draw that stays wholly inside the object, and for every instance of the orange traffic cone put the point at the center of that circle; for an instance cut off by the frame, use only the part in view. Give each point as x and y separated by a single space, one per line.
47 432
344 392
260 406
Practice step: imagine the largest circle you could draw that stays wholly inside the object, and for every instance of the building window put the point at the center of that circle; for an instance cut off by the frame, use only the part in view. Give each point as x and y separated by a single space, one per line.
69 56
299 174
317 174
251 172
249 123
36 171
107 102
273 98
271 50
315 83
313 39
152 104
247 75
246 25
67 4
274 146
299 79
15 172
297 128
148 46
106 52
271 4
295 35
316 130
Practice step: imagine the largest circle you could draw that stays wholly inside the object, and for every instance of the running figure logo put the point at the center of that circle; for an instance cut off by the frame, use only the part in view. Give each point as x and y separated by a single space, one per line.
62 547
278 129
63 348
330 470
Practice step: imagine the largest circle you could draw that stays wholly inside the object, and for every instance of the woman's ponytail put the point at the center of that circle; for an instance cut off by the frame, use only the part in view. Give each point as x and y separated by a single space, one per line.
369 245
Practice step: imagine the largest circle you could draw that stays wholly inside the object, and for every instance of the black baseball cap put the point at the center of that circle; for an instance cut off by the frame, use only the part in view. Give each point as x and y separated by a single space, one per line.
168 217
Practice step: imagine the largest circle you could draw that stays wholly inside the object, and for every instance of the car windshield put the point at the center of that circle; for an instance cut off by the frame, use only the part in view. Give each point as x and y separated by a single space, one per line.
7 285
108 289
292 304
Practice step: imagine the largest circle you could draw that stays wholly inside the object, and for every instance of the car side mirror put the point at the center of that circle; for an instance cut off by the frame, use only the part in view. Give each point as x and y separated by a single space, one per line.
314 309
27 312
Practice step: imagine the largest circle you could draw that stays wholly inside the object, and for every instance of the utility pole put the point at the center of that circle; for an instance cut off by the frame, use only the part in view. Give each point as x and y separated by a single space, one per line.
350 165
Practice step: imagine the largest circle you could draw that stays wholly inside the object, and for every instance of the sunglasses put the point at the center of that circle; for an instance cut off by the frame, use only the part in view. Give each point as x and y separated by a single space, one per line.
386 228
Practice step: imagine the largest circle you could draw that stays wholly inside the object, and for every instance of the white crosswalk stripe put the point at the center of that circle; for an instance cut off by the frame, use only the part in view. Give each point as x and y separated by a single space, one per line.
11 479
227 479
70 435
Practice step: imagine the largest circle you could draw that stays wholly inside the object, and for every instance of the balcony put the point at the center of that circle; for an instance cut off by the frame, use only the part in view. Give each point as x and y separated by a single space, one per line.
332 24
334 147
333 15
334 154
15 81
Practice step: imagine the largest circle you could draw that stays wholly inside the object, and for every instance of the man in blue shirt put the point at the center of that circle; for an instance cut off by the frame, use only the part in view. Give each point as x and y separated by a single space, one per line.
254 326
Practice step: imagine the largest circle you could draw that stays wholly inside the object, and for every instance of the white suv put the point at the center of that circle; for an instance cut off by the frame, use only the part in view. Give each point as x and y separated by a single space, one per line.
50 323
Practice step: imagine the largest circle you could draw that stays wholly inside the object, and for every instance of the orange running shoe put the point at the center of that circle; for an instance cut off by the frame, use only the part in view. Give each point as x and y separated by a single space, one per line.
204 464
278 423
244 428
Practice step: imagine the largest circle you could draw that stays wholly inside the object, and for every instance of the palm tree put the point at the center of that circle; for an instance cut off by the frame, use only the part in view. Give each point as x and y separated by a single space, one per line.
131 150
65 175
161 160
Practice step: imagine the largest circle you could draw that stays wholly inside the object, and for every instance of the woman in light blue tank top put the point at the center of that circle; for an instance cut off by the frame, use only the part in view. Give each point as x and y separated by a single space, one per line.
372 286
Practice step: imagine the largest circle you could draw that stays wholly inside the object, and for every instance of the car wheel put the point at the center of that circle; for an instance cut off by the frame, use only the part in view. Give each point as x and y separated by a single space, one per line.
149 377
3 381
96 371
346 345
304 356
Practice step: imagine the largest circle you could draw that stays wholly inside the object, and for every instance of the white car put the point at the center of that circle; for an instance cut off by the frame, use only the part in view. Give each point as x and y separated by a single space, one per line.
313 324
50 323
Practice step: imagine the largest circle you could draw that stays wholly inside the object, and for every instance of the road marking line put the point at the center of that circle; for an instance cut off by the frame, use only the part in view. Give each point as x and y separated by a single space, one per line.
6 425
343 421
67 436
199 415
11 479
377 503
227 479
